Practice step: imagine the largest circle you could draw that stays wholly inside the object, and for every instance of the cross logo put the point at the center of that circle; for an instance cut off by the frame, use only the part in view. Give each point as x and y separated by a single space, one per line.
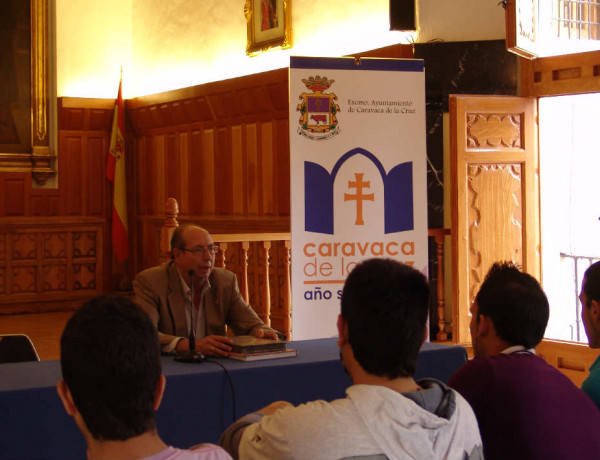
397 194
358 184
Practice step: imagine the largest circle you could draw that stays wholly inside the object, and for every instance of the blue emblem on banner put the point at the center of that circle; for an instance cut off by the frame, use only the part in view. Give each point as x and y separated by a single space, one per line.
397 189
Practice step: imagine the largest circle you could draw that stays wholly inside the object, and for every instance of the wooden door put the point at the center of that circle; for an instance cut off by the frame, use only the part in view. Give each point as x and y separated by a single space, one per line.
494 195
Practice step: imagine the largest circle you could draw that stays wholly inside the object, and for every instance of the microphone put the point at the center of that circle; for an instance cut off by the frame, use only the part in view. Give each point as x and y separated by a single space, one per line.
191 356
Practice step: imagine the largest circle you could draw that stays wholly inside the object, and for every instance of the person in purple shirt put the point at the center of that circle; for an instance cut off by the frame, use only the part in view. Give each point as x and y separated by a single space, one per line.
525 408
590 314
113 383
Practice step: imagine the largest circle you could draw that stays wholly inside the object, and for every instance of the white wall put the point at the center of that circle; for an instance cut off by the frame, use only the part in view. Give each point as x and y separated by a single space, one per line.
460 20
164 45
93 41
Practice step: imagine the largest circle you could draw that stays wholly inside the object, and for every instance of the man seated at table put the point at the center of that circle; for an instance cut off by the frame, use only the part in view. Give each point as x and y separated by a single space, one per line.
165 293
111 366
526 408
590 314
386 413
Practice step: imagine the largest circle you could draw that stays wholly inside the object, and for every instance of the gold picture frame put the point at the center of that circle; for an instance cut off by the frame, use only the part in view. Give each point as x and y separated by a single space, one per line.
38 157
269 25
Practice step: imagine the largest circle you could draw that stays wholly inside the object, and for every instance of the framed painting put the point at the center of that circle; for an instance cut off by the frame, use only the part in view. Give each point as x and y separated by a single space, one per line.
269 25
24 104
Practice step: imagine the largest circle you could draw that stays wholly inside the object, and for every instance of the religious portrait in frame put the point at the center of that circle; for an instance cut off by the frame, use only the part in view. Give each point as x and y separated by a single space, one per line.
269 25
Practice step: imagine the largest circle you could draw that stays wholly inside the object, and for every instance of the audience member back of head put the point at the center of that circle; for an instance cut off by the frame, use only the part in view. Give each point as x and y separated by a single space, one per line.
526 409
590 315
113 383
386 414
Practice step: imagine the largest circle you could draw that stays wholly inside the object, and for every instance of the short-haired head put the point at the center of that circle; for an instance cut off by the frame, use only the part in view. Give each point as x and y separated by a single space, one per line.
110 359
515 303
178 236
385 305
591 283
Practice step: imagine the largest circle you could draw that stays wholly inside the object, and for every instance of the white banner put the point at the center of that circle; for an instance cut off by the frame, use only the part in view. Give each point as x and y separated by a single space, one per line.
358 177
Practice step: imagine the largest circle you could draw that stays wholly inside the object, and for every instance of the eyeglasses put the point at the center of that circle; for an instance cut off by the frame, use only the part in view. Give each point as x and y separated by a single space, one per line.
211 249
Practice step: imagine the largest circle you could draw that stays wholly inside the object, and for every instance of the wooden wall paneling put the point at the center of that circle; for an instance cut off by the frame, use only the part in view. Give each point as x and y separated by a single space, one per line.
49 264
86 266
71 119
252 170
282 159
558 75
267 168
158 177
99 120
224 172
24 261
172 161
208 175
185 172
56 253
233 158
16 200
147 252
237 164
96 190
143 189
45 202
3 263
196 182
70 167
572 359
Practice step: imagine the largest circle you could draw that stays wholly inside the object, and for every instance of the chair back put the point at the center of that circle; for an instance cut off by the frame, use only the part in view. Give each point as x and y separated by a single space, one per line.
16 348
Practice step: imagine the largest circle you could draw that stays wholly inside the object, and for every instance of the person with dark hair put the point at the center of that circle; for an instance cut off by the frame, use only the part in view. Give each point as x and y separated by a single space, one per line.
590 314
113 383
165 293
386 414
526 409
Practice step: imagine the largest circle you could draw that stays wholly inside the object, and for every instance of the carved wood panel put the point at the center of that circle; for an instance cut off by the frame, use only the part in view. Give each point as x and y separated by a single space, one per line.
495 222
493 131
53 263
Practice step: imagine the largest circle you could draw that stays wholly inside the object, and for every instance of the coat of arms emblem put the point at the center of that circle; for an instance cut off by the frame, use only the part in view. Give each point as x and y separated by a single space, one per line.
318 109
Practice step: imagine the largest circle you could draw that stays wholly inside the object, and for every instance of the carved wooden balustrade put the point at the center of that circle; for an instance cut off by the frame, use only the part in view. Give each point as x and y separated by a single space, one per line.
262 262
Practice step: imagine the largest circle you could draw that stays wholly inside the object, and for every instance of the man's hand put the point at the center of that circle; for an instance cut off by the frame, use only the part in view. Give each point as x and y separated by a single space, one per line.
263 333
214 345
273 407
211 345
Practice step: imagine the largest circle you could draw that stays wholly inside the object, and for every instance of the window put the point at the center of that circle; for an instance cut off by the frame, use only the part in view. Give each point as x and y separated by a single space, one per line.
576 19
539 28
570 209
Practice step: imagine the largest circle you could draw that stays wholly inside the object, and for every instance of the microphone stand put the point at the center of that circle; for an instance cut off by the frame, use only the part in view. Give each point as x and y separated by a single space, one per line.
191 355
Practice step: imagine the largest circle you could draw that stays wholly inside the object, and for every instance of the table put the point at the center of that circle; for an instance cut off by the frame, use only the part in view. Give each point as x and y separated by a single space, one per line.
197 405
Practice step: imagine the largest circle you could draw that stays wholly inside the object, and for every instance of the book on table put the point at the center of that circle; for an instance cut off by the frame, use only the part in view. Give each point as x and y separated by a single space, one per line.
251 344
287 353
250 348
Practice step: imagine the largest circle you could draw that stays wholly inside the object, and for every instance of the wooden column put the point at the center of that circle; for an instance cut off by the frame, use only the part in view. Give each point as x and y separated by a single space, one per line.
266 291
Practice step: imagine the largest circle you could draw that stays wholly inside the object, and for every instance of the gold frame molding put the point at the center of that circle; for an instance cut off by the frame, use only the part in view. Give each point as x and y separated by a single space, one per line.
255 44
40 161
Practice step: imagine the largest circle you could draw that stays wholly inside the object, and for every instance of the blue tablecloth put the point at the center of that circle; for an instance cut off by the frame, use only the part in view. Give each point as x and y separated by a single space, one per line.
198 403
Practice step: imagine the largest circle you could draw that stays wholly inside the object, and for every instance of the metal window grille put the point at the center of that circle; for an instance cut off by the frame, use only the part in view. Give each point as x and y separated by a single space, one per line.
580 265
576 19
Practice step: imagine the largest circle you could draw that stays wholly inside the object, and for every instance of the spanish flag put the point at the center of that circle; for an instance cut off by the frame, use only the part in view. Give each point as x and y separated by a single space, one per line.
115 172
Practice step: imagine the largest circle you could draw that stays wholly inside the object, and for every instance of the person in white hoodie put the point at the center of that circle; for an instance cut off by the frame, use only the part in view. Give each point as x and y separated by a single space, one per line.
386 414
